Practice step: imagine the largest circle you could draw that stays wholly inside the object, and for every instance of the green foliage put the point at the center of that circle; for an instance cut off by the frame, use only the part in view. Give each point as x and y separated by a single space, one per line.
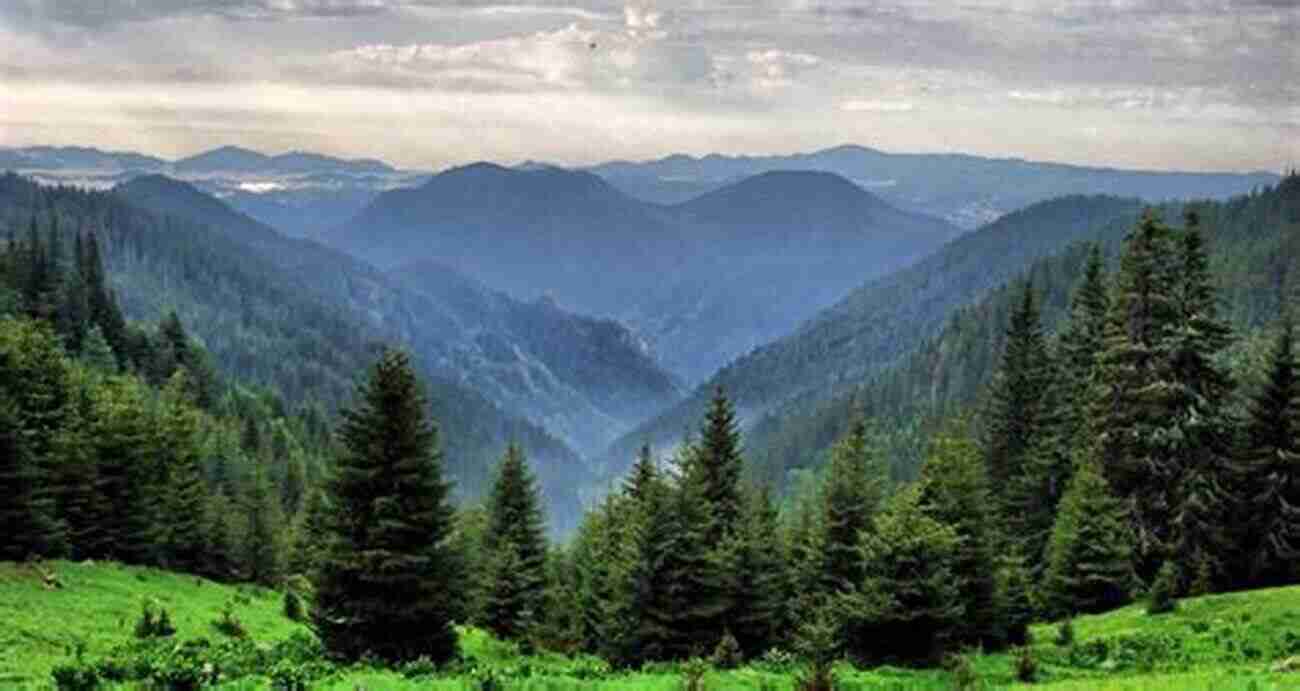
1026 665
855 487
1162 596
294 610
727 654
229 624
387 579
154 621
515 544
1065 633
1090 558
909 606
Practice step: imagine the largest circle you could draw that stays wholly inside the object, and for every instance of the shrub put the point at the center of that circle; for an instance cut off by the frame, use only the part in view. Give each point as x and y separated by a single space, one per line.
818 642
154 621
228 624
963 673
1026 665
693 673
1065 633
1160 597
727 654
420 667
293 607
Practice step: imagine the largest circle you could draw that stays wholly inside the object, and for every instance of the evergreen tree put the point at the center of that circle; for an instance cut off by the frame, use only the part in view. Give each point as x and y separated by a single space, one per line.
104 311
1132 411
644 472
186 495
294 486
262 537
1016 408
679 598
223 541
120 434
96 352
28 510
757 567
955 492
388 580
1090 557
516 541
716 466
310 534
853 492
909 606
1202 438
81 506
1267 523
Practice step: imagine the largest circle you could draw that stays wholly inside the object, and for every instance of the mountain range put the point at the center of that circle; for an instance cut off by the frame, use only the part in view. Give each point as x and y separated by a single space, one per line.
965 190
703 281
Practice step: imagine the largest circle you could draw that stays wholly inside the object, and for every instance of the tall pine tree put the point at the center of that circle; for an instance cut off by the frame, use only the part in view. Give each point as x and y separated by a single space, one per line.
388 581
516 543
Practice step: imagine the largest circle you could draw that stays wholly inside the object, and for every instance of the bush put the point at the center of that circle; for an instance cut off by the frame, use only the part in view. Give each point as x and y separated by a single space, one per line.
228 624
75 676
963 673
1026 665
293 607
1065 633
818 642
693 673
727 654
154 621
1160 597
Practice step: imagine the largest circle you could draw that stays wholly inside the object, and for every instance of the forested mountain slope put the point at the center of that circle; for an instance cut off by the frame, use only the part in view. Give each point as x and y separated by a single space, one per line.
885 318
263 324
533 360
703 281
1254 244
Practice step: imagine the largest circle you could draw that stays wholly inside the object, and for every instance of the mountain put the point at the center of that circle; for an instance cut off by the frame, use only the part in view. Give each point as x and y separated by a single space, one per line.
78 158
703 281
233 159
883 319
268 326
966 190
1253 244
297 192
585 380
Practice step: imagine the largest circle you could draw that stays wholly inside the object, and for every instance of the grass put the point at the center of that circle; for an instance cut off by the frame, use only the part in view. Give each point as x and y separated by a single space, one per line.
97 608
1216 643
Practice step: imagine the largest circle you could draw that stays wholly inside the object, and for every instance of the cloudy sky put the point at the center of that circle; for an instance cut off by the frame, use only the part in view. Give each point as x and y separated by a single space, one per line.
1188 84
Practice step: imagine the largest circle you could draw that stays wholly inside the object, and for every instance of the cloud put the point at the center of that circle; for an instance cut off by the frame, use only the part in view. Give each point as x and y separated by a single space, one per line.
878 106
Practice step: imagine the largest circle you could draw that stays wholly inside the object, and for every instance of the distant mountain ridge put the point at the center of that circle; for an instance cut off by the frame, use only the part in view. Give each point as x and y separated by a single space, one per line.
704 281
964 189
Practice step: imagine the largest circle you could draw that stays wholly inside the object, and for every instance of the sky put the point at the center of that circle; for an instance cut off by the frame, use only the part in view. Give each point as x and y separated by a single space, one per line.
1162 84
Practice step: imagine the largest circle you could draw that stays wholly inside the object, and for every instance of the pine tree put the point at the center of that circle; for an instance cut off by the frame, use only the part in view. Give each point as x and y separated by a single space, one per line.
643 473
388 579
35 383
96 352
103 309
516 541
1201 438
955 492
81 506
716 466
310 534
186 495
909 606
679 597
1267 522
262 538
74 311
294 487
27 511
1090 557
757 566
120 434
1131 407
853 492
223 544
1015 413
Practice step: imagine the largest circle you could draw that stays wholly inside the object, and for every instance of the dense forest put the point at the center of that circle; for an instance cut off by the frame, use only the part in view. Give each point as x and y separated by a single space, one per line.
1119 431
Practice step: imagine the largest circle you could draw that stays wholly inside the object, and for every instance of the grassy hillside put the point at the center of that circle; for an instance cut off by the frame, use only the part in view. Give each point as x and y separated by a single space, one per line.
1222 642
